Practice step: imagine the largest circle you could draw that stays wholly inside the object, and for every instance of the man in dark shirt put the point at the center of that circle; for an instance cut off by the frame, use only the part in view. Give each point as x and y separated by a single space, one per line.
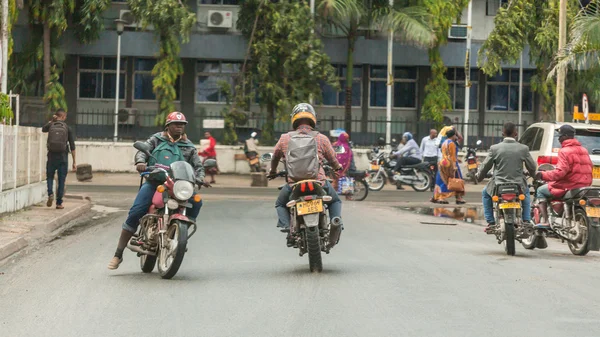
59 162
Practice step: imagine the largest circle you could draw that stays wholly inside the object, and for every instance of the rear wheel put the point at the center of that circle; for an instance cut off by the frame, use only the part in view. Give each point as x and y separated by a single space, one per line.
474 177
314 249
424 182
171 252
580 246
509 232
376 180
361 190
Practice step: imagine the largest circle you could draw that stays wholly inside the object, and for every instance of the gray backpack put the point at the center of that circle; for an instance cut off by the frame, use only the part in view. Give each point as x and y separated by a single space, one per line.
302 157
58 135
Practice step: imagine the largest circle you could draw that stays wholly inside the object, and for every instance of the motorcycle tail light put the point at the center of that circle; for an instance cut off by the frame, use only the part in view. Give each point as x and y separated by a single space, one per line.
553 160
594 201
308 198
509 197
471 161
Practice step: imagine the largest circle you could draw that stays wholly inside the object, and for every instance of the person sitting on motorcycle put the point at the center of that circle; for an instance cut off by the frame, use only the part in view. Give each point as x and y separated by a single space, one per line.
210 153
304 120
507 159
574 170
345 159
250 147
409 154
173 135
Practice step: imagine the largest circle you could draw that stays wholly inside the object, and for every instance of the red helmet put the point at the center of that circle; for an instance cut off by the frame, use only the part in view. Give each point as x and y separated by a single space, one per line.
176 117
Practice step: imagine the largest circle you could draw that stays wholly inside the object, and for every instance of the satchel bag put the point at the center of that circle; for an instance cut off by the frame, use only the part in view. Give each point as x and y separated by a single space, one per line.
456 185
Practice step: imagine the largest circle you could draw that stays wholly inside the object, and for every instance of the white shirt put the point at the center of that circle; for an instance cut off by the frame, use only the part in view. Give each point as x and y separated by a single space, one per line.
429 147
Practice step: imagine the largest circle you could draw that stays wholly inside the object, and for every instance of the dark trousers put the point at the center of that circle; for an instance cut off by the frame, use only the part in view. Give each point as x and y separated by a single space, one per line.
405 161
62 168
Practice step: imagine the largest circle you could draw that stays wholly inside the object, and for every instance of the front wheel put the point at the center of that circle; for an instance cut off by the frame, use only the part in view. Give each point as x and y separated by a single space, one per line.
172 249
580 245
376 180
361 190
424 182
509 232
313 243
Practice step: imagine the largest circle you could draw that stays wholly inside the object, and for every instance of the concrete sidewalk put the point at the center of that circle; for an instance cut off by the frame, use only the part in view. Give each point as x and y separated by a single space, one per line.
38 224
224 180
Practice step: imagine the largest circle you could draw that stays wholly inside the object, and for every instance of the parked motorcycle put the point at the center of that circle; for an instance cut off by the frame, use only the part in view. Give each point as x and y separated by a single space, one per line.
507 212
164 231
472 162
419 176
574 218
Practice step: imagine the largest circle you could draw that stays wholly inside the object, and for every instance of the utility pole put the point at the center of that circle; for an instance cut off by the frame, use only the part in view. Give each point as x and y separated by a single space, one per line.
560 78
390 83
4 47
468 72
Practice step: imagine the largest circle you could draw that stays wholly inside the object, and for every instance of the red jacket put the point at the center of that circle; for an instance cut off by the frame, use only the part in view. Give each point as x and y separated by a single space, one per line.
574 169
210 150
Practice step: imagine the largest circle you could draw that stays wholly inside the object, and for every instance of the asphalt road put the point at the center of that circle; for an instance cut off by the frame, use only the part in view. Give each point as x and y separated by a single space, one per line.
390 276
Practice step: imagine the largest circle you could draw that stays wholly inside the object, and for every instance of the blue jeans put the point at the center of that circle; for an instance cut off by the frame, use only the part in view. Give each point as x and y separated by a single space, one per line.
283 213
488 207
543 193
142 202
62 168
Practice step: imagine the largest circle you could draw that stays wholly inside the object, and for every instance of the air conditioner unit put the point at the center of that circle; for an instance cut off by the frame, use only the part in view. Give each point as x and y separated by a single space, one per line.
458 32
128 17
220 19
128 116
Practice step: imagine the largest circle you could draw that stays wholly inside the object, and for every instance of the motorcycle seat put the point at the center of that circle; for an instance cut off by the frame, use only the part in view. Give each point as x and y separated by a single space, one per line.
356 174
419 165
577 192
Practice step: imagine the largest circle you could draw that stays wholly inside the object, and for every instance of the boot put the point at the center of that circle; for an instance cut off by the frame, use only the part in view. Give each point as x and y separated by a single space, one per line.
543 207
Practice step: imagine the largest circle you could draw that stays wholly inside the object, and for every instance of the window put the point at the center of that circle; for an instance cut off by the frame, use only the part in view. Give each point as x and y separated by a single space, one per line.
492 6
142 80
98 77
537 142
209 76
456 81
332 97
220 2
529 137
404 91
503 91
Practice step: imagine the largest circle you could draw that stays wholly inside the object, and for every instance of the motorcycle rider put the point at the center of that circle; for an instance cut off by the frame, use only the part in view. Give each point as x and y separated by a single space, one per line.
172 138
409 154
250 147
304 120
507 159
574 170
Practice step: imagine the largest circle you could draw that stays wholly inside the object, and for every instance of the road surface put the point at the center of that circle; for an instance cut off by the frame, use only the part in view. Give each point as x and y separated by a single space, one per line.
390 276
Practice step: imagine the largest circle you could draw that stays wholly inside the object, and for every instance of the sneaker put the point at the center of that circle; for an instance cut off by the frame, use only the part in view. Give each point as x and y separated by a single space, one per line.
114 263
50 200
60 207
528 224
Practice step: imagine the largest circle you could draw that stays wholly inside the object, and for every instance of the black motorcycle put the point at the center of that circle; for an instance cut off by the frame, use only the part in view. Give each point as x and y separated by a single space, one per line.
472 162
419 176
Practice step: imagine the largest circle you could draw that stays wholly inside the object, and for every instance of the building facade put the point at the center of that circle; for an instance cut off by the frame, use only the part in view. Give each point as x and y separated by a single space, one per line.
216 53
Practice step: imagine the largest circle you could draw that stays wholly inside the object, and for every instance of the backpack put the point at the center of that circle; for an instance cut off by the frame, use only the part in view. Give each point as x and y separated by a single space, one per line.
302 157
58 136
166 153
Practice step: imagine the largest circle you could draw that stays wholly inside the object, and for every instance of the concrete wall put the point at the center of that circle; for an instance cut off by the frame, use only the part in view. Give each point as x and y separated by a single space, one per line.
119 157
25 196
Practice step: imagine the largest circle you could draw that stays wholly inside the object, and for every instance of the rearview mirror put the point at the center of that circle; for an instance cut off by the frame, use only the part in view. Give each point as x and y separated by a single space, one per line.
142 147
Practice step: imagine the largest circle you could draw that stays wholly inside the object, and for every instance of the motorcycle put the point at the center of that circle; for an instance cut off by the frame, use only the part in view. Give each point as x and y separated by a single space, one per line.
310 229
509 227
472 162
419 176
253 161
357 181
575 218
164 231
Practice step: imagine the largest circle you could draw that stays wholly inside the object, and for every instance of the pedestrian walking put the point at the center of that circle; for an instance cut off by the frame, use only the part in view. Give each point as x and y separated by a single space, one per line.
61 141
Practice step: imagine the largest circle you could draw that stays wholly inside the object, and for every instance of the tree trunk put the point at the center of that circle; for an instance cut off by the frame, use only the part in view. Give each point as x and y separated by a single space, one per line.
350 76
47 63
268 133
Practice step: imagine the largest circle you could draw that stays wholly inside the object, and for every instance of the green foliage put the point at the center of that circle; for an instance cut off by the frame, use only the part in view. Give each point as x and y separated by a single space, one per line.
5 109
287 62
88 19
437 99
55 13
55 93
172 21
231 115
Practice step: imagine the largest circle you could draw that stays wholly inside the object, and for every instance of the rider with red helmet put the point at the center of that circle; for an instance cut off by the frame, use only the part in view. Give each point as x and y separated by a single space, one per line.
166 147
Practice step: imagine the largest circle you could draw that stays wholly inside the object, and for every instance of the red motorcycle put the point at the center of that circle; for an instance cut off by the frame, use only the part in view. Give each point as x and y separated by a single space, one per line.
164 231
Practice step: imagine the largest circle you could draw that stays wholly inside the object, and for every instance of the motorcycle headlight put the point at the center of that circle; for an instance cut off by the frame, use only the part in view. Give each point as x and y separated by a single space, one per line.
183 190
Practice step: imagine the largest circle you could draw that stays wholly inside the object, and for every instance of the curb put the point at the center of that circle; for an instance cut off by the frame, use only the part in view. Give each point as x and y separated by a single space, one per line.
47 230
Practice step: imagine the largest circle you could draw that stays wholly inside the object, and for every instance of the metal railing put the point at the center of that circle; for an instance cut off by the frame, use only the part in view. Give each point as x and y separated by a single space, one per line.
22 156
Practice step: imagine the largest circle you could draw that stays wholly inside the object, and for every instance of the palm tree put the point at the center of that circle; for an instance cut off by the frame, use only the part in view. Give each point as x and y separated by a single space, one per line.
409 23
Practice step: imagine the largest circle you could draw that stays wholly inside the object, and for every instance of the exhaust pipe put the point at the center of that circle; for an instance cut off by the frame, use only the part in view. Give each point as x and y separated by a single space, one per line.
140 250
335 230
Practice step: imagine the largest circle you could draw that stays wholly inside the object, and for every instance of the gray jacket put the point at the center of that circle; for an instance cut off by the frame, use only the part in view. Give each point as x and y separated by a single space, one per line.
189 151
507 159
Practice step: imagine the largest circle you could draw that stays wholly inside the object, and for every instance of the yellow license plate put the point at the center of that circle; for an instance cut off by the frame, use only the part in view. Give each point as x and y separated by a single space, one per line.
472 166
309 207
374 167
596 172
510 205
593 212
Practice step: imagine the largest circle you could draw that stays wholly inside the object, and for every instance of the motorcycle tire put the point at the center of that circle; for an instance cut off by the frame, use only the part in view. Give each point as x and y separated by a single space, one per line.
428 182
178 230
474 177
360 194
313 244
510 239
147 263
380 183
583 247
